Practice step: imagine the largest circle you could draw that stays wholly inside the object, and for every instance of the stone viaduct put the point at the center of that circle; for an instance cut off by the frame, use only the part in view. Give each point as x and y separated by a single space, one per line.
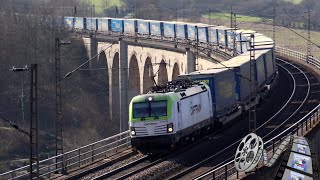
131 66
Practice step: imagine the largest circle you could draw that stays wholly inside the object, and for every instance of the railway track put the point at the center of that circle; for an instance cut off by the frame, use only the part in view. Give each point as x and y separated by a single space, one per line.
303 88
288 116
100 167
131 167
174 163
284 116
138 164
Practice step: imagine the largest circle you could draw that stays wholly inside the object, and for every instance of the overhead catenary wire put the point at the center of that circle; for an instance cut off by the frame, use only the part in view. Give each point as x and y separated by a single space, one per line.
145 67
71 72
297 19
94 69
50 86
302 37
261 21
80 66
291 17
229 68
15 126
78 69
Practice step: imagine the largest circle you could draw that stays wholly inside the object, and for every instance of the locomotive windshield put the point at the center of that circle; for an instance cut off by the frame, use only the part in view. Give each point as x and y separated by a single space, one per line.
150 109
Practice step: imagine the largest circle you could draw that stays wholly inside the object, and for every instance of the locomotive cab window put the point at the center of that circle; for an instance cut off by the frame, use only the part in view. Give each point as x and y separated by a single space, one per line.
140 110
154 109
158 108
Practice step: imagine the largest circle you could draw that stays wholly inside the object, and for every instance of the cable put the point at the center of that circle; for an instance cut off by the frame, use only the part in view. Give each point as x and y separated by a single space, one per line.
99 69
96 69
15 126
160 66
71 72
229 68
302 36
285 13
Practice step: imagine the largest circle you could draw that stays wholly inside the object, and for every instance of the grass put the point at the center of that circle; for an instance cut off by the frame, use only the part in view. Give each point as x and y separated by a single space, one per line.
288 39
100 5
294 1
240 18
6 128
284 37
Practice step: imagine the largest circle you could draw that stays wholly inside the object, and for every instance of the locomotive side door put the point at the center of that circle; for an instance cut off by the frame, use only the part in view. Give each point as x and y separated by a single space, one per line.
179 115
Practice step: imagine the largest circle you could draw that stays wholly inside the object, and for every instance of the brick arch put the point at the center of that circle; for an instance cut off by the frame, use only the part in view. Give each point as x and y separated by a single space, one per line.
134 78
103 62
147 75
162 73
101 82
175 71
115 89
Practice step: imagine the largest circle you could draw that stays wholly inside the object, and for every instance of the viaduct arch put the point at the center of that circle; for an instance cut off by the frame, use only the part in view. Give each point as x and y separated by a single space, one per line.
133 68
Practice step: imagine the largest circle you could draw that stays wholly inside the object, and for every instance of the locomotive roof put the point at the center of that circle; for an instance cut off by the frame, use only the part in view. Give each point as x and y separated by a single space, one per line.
192 90
156 96
173 95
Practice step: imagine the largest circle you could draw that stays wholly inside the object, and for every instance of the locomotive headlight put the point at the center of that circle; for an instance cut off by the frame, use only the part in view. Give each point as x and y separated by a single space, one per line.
170 128
133 131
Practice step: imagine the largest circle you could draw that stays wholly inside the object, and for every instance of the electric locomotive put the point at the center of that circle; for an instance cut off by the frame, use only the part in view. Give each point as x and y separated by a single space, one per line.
159 119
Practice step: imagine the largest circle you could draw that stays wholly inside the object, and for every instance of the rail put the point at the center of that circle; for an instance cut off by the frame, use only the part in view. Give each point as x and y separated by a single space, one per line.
91 153
301 127
88 154
76 158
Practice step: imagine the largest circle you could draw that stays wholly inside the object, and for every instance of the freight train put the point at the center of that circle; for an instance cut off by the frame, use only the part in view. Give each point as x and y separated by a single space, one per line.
207 35
180 110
